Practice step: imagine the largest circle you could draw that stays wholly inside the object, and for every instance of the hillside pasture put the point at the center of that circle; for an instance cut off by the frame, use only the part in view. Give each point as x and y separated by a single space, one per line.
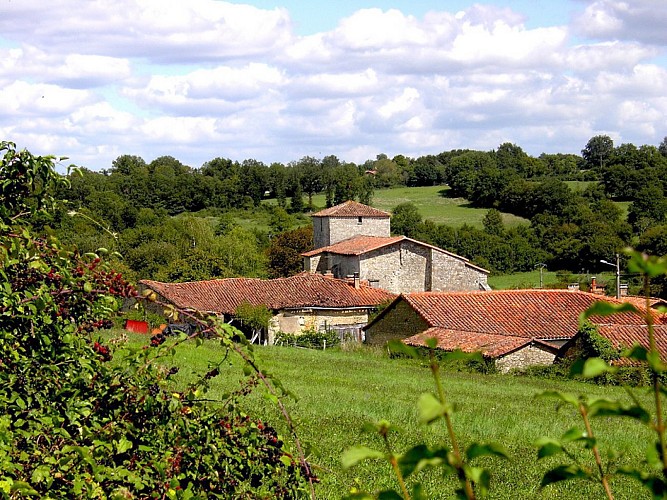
434 203
338 391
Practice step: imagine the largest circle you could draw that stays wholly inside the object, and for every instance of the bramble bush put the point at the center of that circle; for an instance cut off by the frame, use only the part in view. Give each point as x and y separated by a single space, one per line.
309 338
74 424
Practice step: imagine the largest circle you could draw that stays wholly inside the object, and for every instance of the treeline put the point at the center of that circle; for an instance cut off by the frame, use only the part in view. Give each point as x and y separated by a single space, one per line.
148 209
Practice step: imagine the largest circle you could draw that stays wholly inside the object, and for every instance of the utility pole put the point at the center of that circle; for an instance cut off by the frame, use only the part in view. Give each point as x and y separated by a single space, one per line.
618 273
541 266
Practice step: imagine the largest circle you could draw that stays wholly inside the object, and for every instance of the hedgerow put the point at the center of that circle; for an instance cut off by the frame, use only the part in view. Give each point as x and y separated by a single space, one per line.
75 424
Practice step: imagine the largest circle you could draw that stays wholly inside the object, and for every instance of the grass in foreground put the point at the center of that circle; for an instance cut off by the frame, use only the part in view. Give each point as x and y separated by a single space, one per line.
339 391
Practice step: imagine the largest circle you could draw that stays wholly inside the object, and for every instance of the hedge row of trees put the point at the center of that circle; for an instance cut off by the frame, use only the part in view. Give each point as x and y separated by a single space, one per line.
147 208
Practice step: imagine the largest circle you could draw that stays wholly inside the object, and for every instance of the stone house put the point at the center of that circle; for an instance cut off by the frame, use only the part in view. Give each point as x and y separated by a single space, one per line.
515 328
352 239
301 302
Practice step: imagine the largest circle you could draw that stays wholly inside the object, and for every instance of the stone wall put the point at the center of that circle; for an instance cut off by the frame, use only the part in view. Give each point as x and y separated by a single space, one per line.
398 323
330 230
400 268
527 356
452 274
296 322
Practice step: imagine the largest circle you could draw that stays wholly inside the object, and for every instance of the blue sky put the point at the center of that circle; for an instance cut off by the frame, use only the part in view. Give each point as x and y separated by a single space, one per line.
278 80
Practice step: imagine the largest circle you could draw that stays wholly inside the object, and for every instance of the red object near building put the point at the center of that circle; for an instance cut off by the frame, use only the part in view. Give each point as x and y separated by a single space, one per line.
133 325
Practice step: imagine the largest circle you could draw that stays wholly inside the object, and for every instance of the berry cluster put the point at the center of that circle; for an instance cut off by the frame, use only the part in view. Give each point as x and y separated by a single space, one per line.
103 351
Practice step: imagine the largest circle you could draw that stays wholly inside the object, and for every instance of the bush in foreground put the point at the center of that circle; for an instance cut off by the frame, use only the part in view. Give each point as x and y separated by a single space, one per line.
72 423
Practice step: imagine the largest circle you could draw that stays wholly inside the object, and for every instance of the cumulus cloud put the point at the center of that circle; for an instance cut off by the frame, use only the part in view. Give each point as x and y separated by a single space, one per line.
639 20
209 78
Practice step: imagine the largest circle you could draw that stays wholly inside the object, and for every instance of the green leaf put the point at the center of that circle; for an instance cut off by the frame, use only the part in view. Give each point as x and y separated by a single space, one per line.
591 367
389 495
430 408
398 347
488 449
352 456
654 362
87 287
431 343
565 397
420 457
563 473
574 434
602 308
122 445
480 477
548 447
609 408
638 353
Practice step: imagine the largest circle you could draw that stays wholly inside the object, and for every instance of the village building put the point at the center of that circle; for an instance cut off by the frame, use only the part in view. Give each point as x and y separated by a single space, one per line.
515 328
298 303
352 239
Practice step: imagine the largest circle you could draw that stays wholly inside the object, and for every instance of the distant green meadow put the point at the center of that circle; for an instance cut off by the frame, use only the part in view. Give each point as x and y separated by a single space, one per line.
338 391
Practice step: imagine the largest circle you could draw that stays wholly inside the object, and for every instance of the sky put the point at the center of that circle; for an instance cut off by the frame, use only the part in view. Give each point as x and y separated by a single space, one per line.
276 80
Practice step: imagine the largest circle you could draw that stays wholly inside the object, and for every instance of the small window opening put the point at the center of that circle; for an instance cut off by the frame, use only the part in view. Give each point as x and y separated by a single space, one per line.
359 220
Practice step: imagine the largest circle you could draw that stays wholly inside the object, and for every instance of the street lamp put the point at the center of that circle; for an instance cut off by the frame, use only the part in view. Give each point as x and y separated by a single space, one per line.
541 266
618 274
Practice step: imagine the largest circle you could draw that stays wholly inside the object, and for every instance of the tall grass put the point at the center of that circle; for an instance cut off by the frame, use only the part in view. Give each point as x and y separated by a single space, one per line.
339 391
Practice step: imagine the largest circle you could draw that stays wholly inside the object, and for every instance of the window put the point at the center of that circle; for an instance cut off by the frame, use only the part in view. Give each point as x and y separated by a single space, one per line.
359 220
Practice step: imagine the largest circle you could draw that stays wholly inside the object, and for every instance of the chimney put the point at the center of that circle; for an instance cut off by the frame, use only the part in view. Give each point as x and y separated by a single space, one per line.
356 280
594 284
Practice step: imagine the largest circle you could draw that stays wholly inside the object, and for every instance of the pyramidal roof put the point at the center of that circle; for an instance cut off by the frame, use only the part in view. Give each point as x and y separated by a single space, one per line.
351 209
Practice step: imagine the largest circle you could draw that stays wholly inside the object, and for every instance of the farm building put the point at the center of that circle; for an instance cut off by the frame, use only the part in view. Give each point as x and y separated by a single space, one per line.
353 239
514 327
301 302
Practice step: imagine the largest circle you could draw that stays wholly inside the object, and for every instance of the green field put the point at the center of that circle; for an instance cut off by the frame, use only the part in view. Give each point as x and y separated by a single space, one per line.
433 203
550 279
339 391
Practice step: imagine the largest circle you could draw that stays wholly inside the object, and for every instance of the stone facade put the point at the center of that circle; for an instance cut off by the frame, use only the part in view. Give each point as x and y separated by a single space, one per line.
330 230
529 355
296 322
405 266
399 323
451 274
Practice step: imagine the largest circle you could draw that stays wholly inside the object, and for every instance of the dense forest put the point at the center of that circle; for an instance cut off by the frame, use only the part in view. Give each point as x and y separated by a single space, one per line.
175 223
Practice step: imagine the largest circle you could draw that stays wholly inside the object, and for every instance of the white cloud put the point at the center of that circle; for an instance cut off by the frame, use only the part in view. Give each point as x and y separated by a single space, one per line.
209 78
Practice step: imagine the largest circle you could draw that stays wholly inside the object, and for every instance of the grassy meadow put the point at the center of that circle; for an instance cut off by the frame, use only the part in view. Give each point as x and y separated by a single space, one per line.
338 391
434 203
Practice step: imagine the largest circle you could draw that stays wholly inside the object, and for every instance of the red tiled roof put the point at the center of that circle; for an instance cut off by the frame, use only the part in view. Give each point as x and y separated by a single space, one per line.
357 245
491 346
534 314
351 209
626 336
301 291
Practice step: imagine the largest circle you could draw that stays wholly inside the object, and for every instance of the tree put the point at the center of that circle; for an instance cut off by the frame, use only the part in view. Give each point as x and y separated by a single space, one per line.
493 223
284 252
663 147
310 172
598 151
649 208
75 425
296 204
405 219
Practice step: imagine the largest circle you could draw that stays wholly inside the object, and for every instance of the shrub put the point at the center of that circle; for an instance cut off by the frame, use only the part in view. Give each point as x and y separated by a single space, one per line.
73 424
309 338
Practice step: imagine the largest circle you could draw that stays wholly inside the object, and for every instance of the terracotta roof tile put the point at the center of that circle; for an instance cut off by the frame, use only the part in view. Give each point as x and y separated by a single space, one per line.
626 336
492 346
534 314
301 291
357 245
351 209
